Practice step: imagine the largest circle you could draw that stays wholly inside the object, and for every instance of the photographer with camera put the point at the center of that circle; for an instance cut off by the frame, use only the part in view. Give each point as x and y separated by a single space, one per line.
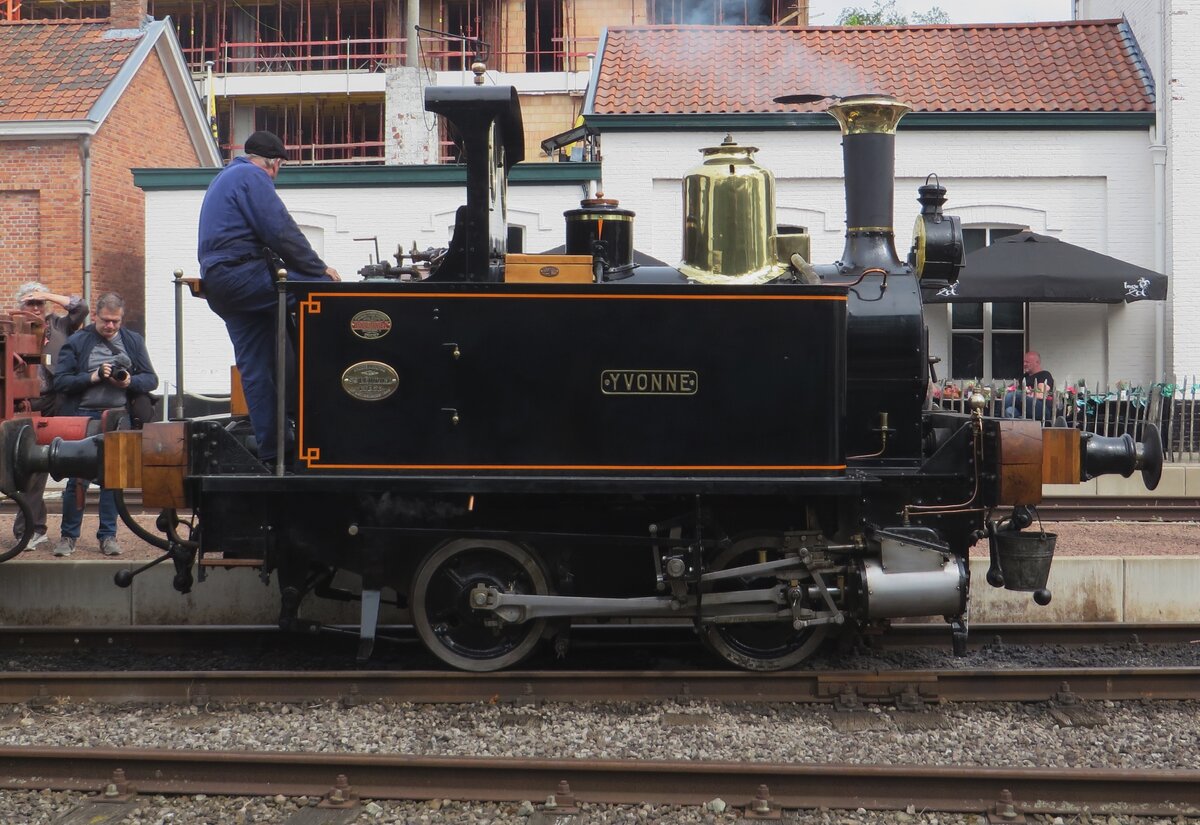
102 367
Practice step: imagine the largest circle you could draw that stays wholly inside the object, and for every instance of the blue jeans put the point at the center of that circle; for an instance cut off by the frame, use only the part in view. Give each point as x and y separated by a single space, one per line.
253 337
1018 405
72 518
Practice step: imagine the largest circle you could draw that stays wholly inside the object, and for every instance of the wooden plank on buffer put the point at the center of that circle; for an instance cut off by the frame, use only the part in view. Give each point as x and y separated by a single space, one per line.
1060 455
123 460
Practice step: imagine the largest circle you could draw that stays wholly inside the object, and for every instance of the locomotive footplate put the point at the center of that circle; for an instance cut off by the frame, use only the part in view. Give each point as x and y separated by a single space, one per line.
466 484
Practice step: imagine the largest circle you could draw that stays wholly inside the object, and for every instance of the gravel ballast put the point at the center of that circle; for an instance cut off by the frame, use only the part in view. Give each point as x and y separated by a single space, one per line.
1129 735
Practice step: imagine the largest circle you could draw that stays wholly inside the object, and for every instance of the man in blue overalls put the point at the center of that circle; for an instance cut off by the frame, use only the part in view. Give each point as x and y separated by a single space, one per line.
242 220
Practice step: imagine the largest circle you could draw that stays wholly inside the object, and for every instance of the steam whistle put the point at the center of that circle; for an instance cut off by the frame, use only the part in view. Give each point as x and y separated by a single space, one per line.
1122 455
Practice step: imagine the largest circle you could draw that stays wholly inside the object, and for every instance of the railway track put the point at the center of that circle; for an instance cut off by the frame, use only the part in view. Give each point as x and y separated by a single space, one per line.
759 787
912 689
754 789
184 638
1114 508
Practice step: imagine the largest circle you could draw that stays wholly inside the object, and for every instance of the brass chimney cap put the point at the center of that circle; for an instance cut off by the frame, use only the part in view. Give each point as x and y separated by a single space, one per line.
868 114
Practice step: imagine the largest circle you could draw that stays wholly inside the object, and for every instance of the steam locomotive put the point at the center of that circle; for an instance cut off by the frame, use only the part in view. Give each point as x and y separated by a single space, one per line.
509 444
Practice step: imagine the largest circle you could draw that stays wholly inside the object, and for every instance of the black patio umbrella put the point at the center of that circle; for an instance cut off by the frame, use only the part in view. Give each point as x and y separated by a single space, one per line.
1032 267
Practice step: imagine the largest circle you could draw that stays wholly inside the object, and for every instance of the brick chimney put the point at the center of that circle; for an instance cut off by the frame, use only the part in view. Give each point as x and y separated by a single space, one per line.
127 14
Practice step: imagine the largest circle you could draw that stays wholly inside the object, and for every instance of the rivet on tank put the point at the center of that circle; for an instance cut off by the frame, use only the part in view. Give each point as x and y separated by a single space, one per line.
600 228
729 218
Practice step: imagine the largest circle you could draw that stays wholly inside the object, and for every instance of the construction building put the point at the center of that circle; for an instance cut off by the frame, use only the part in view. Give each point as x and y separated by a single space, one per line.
329 75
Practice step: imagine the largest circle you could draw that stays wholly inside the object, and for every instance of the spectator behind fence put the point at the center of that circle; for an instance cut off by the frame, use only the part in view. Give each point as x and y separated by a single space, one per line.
1028 400
37 299
102 367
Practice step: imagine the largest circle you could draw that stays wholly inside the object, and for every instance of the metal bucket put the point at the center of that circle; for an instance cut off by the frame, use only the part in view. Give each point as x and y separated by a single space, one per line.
1025 559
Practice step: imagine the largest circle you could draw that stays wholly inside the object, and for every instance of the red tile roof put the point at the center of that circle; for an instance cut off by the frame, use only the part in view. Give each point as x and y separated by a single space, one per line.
1078 66
56 70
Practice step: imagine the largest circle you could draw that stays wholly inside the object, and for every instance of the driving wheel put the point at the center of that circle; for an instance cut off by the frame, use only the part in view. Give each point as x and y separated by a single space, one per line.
457 633
769 645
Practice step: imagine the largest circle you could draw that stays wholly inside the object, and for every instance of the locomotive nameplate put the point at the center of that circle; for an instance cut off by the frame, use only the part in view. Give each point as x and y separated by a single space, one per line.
649 382
370 380
371 324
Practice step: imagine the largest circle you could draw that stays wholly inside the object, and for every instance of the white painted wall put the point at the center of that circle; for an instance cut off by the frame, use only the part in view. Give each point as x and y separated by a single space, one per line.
1183 181
1087 187
331 219
1175 23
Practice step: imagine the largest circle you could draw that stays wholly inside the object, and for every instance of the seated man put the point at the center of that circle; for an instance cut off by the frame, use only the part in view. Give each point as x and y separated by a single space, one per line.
1029 400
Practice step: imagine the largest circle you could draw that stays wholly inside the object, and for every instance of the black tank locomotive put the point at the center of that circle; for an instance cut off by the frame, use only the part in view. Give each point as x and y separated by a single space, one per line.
516 443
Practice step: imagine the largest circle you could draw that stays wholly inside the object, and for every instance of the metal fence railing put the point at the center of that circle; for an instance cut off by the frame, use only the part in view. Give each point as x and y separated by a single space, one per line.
1173 404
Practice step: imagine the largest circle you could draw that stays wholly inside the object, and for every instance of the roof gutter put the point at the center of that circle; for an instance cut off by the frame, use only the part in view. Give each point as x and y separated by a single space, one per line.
768 121
47 129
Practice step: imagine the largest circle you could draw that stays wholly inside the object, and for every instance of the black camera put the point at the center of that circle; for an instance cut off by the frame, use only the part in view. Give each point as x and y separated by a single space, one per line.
117 373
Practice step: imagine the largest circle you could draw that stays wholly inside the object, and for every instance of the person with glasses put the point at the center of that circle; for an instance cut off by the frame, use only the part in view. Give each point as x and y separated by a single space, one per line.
98 370
244 227
36 299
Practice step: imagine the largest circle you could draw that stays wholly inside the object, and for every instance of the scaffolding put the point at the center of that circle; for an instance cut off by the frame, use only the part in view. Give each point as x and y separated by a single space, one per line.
354 36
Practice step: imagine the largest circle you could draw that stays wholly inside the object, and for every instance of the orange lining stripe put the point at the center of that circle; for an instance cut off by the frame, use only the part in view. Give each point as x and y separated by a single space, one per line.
576 296
549 295
643 467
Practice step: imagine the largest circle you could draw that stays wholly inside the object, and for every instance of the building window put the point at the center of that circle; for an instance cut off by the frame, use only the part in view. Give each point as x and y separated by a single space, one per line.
543 36
516 239
987 340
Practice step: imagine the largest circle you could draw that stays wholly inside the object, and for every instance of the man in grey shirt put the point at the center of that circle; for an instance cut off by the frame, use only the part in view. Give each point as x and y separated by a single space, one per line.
99 369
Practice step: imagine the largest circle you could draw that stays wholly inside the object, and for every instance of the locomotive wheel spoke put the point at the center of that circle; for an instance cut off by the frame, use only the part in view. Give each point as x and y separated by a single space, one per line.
460 635
757 645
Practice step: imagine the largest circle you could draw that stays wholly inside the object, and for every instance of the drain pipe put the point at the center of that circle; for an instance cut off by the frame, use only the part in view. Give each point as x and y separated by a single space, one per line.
1158 155
412 43
85 150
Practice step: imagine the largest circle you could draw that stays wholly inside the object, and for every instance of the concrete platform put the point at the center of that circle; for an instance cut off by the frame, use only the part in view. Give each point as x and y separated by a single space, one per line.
64 593
1178 481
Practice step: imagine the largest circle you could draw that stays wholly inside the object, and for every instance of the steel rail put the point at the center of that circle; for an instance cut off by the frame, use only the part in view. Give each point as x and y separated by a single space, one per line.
351 687
937 634
891 787
177 638
1119 508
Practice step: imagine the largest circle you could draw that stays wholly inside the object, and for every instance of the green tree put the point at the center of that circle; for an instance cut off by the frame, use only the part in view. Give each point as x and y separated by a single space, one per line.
885 14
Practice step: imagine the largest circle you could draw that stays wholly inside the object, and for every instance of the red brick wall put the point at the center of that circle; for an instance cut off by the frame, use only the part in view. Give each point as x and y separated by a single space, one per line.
40 203
41 198
20 232
144 130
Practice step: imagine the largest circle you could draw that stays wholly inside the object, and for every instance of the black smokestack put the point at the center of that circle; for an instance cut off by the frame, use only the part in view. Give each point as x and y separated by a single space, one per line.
869 156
